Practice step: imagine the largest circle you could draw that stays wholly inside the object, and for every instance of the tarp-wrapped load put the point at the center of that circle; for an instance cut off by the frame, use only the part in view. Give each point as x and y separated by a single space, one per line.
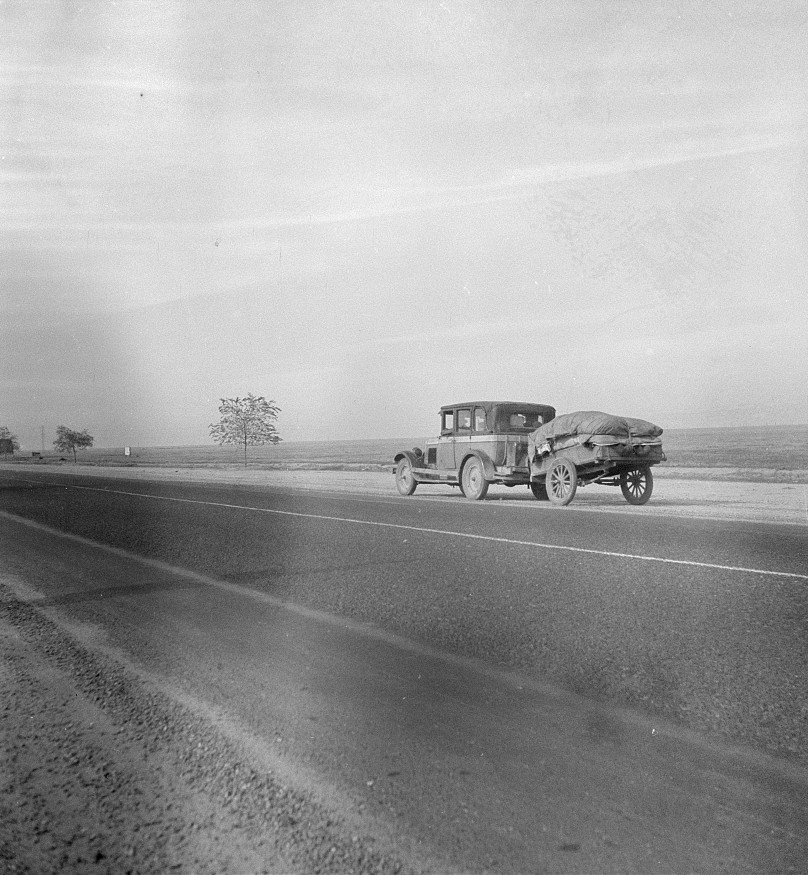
591 427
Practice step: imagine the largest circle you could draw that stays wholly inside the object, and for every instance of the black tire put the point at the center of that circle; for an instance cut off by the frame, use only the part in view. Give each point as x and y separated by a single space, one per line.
561 482
637 484
472 480
539 490
405 479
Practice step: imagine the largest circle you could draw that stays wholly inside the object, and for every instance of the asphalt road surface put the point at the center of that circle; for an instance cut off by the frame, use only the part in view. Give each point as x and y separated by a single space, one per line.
464 686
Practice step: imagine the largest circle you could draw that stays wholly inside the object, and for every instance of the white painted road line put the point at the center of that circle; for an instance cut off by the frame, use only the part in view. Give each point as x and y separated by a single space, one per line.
515 680
690 563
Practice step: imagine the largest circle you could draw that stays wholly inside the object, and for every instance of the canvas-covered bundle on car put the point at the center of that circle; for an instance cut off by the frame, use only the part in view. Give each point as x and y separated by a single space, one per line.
591 427
588 446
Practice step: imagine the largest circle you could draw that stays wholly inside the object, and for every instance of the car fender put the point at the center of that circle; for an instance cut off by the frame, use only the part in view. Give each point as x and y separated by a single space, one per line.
415 457
488 465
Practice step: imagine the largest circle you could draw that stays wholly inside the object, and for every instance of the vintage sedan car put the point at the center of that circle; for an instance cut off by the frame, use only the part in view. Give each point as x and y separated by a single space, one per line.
480 442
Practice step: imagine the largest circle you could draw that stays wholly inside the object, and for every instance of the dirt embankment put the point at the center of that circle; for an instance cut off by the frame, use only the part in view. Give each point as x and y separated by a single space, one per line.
100 774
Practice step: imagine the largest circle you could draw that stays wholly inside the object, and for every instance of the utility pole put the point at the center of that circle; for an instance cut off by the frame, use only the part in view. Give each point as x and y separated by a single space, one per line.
42 430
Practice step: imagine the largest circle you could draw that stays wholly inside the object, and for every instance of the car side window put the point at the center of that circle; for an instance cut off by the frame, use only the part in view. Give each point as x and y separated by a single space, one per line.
447 422
464 419
479 419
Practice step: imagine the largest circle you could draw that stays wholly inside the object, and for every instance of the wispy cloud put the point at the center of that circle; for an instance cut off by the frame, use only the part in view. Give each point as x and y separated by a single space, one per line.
515 184
34 76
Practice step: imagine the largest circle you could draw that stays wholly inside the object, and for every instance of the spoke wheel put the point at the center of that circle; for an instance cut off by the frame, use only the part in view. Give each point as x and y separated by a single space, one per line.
473 481
539 490
562 482
405 480
637 484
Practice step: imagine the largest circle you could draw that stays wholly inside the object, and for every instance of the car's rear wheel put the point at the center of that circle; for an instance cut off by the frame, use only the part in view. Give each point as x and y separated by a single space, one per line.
405 479
472 480
561 482
539 490
637 484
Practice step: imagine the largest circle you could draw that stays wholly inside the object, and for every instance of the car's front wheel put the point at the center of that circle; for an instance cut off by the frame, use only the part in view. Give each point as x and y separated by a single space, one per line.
472 480
405 479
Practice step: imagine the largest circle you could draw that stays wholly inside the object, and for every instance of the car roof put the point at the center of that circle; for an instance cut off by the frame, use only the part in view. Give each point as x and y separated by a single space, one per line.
489 404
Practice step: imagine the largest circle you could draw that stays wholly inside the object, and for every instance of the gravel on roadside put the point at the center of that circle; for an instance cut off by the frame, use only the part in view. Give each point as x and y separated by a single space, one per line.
99 773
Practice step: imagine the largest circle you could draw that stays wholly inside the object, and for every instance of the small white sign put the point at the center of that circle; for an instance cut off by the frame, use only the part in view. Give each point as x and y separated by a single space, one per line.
127 451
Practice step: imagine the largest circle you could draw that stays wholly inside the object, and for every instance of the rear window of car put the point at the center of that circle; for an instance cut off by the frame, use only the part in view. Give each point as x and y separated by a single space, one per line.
524 420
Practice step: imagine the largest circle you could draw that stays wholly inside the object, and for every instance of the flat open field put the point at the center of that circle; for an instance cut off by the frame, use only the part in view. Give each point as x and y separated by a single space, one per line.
777 454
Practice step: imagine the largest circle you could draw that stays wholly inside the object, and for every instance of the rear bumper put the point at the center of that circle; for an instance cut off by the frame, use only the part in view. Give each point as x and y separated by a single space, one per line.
511 475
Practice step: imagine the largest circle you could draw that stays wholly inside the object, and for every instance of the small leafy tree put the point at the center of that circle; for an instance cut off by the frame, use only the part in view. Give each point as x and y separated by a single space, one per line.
68 440
246 422
5 434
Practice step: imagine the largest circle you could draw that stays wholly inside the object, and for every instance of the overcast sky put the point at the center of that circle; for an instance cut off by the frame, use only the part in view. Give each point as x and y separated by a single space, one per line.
364 210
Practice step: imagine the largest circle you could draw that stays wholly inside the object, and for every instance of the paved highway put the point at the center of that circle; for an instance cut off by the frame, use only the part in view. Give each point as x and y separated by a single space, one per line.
484 686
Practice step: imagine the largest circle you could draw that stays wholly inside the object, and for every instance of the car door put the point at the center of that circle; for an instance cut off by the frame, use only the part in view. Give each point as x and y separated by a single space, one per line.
462 441
445 460
480 439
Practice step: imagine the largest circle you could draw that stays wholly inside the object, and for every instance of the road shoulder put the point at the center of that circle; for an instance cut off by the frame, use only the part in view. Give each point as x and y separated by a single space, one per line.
782 503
